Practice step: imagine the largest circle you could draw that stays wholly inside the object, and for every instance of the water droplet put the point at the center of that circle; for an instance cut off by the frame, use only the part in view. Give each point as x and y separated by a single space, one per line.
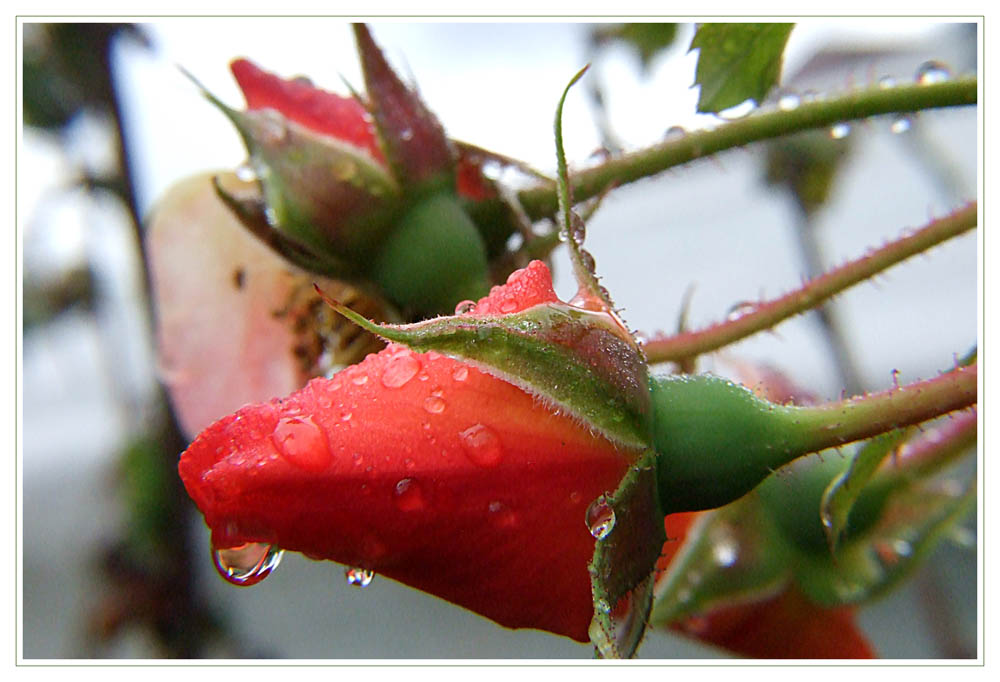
886 82
406 134
247 564
726 552
346 416
502 516
246 172
359 577
359 379
789 102
302 443
674 133
482 445
600 518
840 130
434 404
358 459
932 72
465 307
740 309
901 124
508 306
461 373
741 110
574 497
902 547
400 370
409 496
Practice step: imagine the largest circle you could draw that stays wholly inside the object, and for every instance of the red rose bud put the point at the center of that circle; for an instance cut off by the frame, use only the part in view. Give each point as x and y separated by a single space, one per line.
433 471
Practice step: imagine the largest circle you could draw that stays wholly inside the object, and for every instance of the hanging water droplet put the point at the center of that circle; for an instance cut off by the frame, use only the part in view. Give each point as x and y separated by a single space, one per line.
840 130
359 577
435 404
409 496
901 124
674 133
482 445
400 370
740 309
246 172
600 518
886 82
465 307
246 564
302 443
461 373
931 72
741 110
789 102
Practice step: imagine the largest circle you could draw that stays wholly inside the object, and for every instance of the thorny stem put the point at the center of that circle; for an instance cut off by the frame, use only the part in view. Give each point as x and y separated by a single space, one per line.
861 417
767 314
541 202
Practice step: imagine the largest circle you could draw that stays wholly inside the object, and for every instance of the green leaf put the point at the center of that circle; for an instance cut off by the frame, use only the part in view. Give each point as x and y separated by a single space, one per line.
625 554
909 527
845 489
731 555
737 62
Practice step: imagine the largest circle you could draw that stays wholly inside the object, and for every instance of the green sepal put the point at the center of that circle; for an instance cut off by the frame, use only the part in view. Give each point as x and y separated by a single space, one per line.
621 572
737 62
433 258
910 525
579 361
327 196
734 554
843 491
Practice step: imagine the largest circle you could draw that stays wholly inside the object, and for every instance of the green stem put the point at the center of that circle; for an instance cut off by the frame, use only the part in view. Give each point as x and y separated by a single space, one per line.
716 440
540 202
766 315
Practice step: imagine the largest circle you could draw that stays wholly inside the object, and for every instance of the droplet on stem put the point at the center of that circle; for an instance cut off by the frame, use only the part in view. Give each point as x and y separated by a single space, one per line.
359 577
600 518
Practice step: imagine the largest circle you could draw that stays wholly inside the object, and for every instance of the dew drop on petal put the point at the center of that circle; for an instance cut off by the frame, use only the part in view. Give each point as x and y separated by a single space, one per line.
435 404
502 516
359 577
408 496
482 445
461 373
600 518
246 564
359 379
400 370
302 443
508 306
931 72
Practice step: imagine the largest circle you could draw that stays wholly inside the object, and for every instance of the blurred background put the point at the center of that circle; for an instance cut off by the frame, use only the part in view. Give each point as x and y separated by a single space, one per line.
114 564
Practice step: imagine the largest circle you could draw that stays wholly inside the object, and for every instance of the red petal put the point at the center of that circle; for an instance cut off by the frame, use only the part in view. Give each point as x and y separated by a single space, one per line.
784 626
323 112
426 470
527 287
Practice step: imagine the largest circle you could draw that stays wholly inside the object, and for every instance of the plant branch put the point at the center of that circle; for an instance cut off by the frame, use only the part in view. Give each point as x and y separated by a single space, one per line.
541 202
864 416
767 314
